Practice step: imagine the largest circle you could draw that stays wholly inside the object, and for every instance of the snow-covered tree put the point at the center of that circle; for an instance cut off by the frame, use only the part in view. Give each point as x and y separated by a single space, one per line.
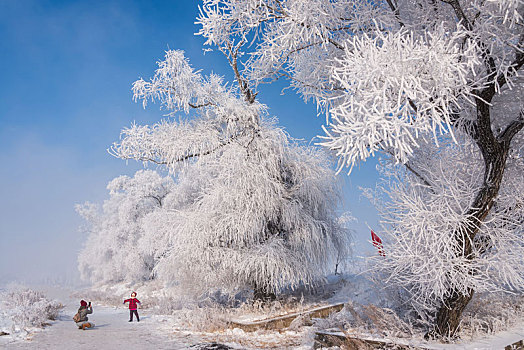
251 206
422 219
116 248
390 76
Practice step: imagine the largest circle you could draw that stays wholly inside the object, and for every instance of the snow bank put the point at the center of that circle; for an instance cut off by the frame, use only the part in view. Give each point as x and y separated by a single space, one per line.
23 311
370 311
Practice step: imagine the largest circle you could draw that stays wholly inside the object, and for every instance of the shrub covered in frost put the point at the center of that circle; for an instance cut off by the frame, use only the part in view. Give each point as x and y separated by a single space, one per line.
487 313
23 309
492 313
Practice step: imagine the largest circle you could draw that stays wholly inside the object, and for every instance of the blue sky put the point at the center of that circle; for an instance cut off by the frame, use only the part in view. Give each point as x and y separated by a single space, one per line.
67 69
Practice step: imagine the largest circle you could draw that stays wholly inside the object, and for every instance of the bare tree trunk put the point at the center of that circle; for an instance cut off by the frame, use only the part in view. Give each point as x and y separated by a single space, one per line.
448 317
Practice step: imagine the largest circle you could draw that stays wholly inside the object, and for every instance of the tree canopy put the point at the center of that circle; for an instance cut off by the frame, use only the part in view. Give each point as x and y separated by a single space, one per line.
244 204
400 78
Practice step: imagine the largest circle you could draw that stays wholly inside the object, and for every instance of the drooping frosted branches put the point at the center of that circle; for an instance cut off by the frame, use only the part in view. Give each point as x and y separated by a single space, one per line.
429 56
249 206
260 213
178 87
398 88
114 249
223 117
263 219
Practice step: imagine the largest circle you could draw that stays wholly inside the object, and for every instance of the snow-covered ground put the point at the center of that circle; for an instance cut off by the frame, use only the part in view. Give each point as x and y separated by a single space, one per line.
488 342
495 341
112 331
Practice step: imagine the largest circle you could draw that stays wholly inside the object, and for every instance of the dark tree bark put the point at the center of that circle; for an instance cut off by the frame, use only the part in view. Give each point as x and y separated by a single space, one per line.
495 152
448 316
495 155
262 295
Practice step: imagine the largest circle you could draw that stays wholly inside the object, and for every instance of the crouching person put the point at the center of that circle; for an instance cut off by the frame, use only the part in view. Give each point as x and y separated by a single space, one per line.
81 318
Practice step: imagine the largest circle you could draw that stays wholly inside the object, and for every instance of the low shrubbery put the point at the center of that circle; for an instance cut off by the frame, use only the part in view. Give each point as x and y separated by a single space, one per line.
487 313
492 313
371 311
22 310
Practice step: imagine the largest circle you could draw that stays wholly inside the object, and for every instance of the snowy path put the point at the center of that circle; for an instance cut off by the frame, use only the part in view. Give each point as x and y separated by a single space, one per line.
112 331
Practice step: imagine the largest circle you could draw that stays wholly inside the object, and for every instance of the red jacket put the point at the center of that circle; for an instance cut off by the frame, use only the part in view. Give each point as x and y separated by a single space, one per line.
132 303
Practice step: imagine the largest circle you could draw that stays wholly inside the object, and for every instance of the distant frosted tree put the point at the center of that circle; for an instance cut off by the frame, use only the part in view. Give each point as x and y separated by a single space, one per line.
390 76
115 248
255 208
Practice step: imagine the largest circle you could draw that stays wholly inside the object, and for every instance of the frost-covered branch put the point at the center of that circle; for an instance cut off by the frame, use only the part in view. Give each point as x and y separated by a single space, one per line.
512 129
421 225
377 110
169 143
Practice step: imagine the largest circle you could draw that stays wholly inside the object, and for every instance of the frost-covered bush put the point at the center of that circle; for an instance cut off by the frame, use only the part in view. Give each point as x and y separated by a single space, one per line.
492 313
367 319
24 309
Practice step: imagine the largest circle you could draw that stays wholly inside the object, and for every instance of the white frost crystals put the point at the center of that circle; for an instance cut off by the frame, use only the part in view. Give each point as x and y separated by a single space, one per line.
420 220
382 77
117 247
247 205
178 87
23 310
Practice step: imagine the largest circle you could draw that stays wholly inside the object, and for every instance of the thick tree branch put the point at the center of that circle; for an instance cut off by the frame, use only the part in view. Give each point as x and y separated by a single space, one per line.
488 59
200 105
232 57
336 44
512 129
176 160
157 199
414 172
459 13
419 176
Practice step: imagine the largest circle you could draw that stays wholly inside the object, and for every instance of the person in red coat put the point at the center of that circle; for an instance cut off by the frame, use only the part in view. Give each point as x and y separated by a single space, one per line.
133 301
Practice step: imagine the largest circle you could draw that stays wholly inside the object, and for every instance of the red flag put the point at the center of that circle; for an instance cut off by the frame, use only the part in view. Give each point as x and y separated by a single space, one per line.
377 242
